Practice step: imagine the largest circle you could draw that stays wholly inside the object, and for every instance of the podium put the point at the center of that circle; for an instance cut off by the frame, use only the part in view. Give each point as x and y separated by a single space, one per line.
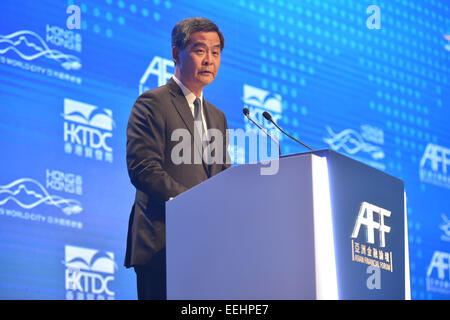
320 226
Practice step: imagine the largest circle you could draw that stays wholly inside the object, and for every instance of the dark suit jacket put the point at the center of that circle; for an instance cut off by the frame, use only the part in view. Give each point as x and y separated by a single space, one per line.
154 116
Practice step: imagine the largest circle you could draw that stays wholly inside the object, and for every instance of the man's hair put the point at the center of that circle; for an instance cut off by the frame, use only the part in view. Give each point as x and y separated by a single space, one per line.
181 33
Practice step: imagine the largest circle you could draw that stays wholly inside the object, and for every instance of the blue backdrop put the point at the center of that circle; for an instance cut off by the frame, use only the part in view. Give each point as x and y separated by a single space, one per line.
369 79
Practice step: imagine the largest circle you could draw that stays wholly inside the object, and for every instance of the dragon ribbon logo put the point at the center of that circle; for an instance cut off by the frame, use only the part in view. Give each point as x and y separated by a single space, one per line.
29 193
30 46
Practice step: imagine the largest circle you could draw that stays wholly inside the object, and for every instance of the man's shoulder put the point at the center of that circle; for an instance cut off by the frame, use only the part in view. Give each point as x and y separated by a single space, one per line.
214 109
155 98
156 92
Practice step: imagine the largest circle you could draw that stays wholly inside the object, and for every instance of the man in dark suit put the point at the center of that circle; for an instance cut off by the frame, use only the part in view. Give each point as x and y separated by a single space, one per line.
154 169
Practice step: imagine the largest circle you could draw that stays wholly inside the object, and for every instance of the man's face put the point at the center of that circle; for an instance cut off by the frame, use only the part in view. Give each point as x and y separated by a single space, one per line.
199 62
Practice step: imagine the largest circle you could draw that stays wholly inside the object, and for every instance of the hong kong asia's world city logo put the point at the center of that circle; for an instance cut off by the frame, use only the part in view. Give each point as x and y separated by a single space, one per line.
29 51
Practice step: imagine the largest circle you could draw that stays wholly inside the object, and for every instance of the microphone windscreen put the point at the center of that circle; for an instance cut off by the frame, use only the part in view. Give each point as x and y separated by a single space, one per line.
267 115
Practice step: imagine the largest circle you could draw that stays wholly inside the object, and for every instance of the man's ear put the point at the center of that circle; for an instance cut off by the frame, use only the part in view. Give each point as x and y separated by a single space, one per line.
175 54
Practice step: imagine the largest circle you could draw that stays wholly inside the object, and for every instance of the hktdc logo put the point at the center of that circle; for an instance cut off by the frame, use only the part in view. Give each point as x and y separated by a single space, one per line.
89 274
87 130
259 100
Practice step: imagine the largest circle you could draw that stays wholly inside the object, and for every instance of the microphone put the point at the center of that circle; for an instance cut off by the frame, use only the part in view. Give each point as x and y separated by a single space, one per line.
269 117
246 113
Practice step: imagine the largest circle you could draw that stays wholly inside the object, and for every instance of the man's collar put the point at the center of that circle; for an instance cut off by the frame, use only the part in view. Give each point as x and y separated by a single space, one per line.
190 96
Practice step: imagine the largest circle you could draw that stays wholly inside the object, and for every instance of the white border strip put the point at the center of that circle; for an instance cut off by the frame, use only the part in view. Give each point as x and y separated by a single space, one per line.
407 276
325 261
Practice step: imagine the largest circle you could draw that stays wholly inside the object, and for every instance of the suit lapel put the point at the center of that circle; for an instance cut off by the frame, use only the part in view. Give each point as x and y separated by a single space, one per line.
209 118
181 105
212 122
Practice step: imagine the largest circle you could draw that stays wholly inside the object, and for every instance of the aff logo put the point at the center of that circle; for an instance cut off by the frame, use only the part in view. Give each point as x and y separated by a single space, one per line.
434 164
89 273
439 158
438 273
161 68
441 263
366 218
